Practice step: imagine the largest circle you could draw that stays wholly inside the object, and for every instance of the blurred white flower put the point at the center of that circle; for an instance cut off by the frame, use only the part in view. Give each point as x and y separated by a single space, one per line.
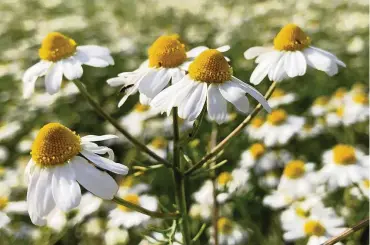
93 226
159 146
280 97
202 211
60 56
320 106
4 154
8 129
55 171
290 56
88 205
230 183
115 236
253 130
309 130
356 45
278 199
56 220
230 233
158 238
209 79
356 108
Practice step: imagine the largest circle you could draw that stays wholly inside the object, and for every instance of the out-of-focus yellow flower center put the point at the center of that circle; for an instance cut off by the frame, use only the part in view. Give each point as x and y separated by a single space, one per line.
361 98
132 198
167 51
340 92
322 100
3 202
307 127
278 92
277 117
210 67
257 122
314 228
294 169
291 38
225 226
366 183
159 143
302 213
257 150
56 46
55 144
340 111
224 178
141 108
344 154
2 171
127 182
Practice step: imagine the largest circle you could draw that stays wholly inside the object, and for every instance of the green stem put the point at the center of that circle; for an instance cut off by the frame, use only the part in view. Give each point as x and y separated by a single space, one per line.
215 209
234 133
110 119
142 210
179 181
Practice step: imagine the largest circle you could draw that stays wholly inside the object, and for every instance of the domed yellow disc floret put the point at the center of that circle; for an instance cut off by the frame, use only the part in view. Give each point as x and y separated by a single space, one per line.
56 46
224 178
277 117
291 38
210 67
322 100
257 122
141 108
3 202
167 51
344 154
225 226
294 169
159 143
314 228
361 98
132 198
257 150
278 92
55 144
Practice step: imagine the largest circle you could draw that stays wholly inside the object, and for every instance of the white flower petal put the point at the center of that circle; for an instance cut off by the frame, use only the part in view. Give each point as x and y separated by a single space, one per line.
224 48
154 82
31 75
54 77
216 104
252 53
235 94
192 106
92 138
72 68
320 61
192 53
105 163
95 181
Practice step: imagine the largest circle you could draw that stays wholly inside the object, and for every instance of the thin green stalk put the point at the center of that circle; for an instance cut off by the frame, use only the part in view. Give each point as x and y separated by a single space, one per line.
234 133
110 119
179 181
142 210
215 208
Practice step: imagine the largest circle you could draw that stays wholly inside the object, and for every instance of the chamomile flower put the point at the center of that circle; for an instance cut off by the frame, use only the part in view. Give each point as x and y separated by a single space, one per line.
310 130
60 56
230 183
335 117
297 178
209 79
356 108
337 99
202 211
159 146
88 205
280 127
8 129
278 199
280 97
252 155
205 194
253 130
55 171
269 180
290 56
116 236
230 233
343 165
320 106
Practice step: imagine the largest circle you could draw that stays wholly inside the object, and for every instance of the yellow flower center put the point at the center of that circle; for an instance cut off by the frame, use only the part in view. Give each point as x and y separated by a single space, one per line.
340 92
127 182
210 67
340 111
257 122
307 127
55 144
159 143
56 46
224 178
291 38
141 108
167 51
302 213
278 92
257 150
321 101
277 117
294 169
132 198
361 98
366 183
225 226
314 228
3 202
344 154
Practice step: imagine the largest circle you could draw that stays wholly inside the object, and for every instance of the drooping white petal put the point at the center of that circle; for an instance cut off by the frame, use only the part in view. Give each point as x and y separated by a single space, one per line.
72 68
53 79
223 49
260 72
31 75
88 58
235 94
97 182
105 163
216 104
93 138
192 106
192 53
66 190
338 61
294 63
129 92
154 83
116 81
252 53
320 61
176 74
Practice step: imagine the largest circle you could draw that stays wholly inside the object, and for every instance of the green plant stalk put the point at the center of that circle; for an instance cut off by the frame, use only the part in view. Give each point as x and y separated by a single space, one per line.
179 181
215 208
142 147
142 210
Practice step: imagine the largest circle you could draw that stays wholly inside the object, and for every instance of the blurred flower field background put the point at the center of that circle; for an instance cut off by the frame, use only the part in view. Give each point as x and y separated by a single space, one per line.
128 28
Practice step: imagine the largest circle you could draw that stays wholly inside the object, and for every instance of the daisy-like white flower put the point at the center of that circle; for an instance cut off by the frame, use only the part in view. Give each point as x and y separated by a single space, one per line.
93 226
166 62
156 238
131 184
337 99
230 183
269 180
202 211
159 146
290 56
88 205
343 166
230 233
60 56
123 216
321 225
320 106
55 171
297 178
116 236
280 127
205 194
335 117
280 97
210 79
278 199
8 129
311 130
253 130
356 108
